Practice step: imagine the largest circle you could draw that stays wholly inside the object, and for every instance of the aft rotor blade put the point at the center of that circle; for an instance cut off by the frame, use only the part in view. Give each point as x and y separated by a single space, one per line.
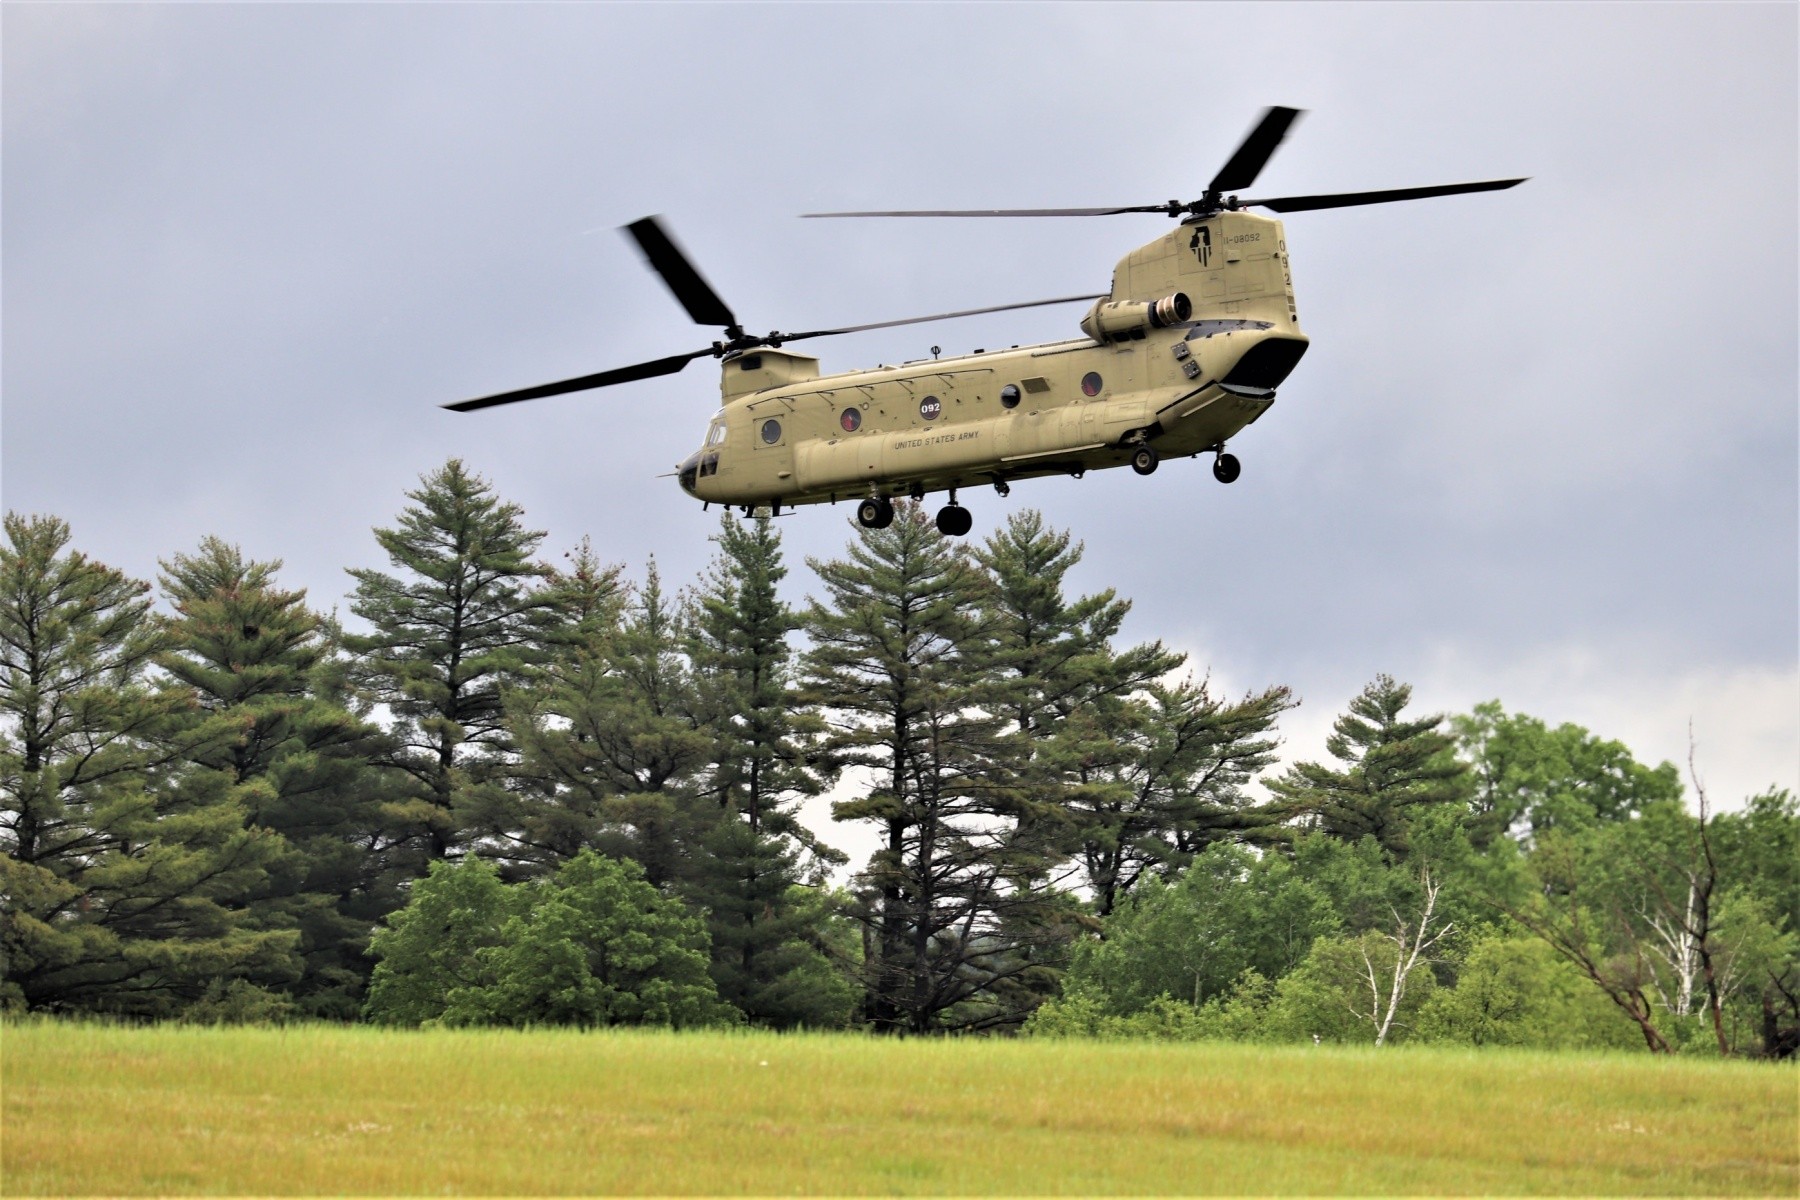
1253 153
1002 212
643 370
967 312
666 259
1285 204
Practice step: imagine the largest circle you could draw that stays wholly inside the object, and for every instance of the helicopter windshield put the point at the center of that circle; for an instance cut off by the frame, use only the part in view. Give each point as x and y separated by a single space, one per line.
716 434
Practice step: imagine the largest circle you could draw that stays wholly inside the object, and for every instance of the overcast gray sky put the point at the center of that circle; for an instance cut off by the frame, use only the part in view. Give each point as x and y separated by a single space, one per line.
1543 448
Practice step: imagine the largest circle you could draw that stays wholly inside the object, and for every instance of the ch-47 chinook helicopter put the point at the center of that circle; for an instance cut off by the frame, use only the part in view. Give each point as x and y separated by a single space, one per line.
1184 352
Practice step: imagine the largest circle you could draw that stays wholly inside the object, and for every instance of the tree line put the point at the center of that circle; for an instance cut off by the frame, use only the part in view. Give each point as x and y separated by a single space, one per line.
521 792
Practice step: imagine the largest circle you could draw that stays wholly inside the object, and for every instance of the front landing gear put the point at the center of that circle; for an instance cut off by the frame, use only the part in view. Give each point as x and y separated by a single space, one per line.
877 512
1144 460
1226 467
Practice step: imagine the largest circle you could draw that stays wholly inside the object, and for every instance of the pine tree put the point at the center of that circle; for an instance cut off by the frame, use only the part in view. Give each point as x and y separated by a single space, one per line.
764 928
271 724
1057 653
903 667
609 749
1142 774
1154 782
1392 770
124 878
463 619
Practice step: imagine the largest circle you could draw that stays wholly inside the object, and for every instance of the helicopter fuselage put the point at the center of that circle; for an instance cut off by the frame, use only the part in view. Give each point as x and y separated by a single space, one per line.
1186 350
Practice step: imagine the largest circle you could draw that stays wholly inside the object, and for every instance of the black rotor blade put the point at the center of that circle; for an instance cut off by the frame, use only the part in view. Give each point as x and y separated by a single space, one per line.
1286 204
967 312
1001 212
643 370
1253 153
666 259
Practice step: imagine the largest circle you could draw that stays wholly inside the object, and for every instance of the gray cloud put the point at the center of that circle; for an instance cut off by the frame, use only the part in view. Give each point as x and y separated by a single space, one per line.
1545 437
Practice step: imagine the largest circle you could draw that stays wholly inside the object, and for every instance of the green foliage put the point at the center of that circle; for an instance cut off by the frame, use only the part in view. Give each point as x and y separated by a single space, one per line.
200 821
461 621
1340 993
1147 774
240 1002
765 926
270 722
1392 769
429 949
902 667
1529 778
124 880
592 945
1056 653
1514 990
611 749
1230 912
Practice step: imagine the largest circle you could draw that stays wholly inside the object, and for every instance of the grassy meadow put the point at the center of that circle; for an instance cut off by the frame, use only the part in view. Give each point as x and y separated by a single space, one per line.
94 1109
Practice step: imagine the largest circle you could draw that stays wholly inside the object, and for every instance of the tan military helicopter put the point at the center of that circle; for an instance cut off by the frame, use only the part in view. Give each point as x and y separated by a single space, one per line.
1184 352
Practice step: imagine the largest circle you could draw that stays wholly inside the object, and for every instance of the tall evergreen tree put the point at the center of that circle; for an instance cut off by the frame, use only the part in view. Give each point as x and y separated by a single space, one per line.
124 880
1392 769
1056 652
464 618
903 667
270 722
1156 780
610 749
764 927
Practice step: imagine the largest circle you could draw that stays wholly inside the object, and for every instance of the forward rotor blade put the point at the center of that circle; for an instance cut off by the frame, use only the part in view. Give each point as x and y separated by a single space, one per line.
666 259
1286 204
1002 212
1253 153
644 370
967 312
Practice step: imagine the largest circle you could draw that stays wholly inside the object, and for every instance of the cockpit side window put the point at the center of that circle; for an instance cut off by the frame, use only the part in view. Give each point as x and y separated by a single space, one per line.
716 434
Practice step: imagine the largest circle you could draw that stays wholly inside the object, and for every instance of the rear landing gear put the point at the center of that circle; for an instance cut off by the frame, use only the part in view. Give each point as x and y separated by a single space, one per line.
1144 460
877 512
1226 467
953 520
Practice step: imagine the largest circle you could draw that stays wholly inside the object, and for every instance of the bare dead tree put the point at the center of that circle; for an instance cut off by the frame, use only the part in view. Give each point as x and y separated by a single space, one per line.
1683 924
1410 944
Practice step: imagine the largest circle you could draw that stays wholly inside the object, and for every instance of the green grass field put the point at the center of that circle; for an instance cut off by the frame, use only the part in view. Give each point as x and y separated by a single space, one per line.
92 1109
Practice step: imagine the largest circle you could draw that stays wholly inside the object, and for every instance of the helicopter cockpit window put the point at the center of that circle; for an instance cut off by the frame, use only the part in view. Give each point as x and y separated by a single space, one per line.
1009 396
771 431
715 435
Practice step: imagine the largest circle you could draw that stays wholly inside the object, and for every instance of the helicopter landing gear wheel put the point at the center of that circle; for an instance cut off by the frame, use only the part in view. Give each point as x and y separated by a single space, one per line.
875 513
1144 460
953 520
1226 468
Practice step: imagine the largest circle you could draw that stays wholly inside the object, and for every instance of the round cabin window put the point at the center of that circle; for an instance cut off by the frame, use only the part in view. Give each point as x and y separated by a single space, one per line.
771 432
1091 383
1009 396
850 419
930 407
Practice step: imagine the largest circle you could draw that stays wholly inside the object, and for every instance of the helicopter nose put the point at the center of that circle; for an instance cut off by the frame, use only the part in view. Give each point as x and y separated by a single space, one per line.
689 471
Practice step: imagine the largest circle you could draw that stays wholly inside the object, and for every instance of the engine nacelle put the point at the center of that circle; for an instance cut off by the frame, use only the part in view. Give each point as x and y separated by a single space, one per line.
1125 320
